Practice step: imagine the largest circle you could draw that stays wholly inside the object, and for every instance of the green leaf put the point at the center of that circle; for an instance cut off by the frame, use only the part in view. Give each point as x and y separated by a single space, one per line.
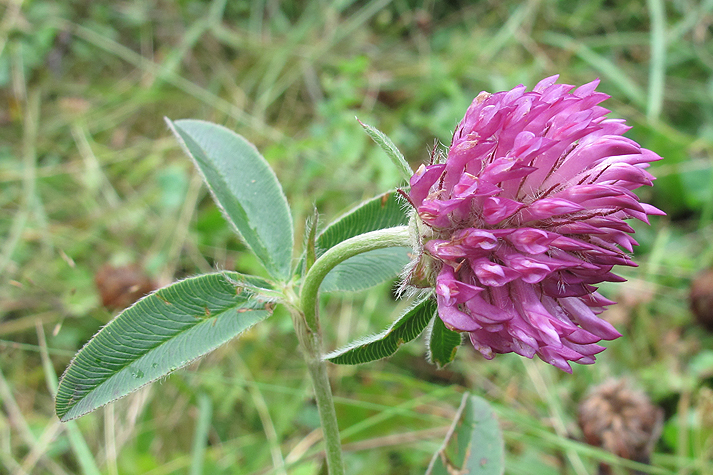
474 443
374 267
157 335
366 270
385 344
245 188
388 146
381 212
442 343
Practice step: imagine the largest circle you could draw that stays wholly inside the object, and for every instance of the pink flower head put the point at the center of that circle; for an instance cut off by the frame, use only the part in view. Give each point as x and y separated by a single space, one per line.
527 214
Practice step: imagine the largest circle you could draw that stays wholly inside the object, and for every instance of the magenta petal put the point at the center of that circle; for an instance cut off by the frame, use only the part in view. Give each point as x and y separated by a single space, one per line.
531 240
491 274
435 213
583 337
486 313
554 287
549 207
446 250
454 318
623 172
545 83
470 186
476 238
452 290
652 210
582 193
507 168
422 181
527 216
584 316
597 300
571 244
584 350
586 89
480 345
514 94
496 210
553 357
530 270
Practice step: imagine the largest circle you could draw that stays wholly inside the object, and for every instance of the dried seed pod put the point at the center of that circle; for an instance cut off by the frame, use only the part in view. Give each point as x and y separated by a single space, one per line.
620 420
701 299
120 287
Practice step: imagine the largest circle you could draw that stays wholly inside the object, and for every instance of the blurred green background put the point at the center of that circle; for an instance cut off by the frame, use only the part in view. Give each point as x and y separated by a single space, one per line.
90 177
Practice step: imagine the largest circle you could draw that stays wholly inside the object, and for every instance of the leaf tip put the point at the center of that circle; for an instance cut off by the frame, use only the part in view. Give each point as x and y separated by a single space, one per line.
174 130
63 409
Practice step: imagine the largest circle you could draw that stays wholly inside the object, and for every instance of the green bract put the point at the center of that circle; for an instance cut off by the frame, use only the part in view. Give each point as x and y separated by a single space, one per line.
385 344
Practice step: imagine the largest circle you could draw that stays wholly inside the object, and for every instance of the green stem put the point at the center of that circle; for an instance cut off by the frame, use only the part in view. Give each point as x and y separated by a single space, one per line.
390 237
311 344
306 321
327 414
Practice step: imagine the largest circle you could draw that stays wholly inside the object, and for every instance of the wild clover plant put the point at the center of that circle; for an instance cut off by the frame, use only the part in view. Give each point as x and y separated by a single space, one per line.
503 239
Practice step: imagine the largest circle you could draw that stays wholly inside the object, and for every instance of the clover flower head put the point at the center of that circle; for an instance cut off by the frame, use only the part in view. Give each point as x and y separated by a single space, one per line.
526 215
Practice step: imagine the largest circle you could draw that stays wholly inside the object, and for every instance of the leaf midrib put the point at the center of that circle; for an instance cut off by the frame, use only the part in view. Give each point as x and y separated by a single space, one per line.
147 351
229 217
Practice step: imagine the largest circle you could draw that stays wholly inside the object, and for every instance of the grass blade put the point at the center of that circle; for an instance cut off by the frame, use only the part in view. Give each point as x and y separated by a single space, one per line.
200 436
657 66
606 67
76 439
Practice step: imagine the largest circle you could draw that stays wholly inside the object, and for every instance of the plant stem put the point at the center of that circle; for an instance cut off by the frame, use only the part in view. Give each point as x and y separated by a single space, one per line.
305 318
327 414
311 343
389 237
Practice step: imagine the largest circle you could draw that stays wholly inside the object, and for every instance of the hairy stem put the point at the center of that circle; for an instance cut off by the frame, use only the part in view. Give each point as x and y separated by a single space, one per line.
327 414
311 343
306 321
389 237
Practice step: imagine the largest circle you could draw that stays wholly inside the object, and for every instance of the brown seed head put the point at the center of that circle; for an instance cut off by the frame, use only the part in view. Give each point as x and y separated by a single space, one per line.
701 298
621 420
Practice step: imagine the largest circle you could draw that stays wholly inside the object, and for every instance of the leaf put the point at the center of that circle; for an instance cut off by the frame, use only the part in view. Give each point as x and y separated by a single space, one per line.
245 189
371 268
366 270
381 212
160 333
385 344
474 444
442 343
383 141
